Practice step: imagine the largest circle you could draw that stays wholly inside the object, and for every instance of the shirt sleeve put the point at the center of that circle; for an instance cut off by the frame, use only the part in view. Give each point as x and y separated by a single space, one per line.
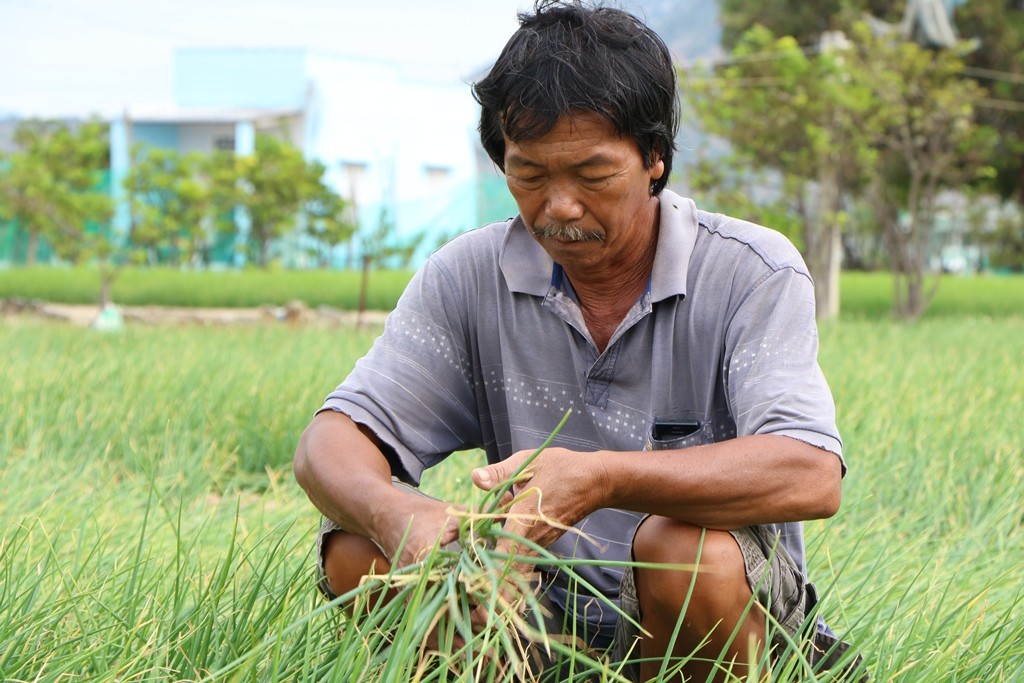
773 382
413 389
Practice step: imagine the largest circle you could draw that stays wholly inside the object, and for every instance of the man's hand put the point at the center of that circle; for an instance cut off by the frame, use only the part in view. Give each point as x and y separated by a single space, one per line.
413 524
559 488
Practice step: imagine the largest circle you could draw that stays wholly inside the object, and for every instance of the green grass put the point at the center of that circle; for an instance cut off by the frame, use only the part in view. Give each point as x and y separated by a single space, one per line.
863 295
929 542
152 529
869 295
230 289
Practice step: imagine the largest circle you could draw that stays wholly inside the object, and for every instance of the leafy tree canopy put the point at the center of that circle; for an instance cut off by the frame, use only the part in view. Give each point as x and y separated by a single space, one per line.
169 199
277 191
996 62
802 20
49 186
871 112
998 65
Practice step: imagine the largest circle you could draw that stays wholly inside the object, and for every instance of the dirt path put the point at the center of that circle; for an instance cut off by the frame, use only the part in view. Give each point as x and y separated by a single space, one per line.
295 313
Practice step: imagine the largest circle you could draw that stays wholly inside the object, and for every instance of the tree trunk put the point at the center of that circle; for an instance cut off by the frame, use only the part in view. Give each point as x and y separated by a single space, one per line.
823 240
264 253
106 286
908 248
32 250
826 280
364 286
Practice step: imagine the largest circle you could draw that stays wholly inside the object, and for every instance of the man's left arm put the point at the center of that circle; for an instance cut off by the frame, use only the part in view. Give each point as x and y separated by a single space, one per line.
748 480
785 465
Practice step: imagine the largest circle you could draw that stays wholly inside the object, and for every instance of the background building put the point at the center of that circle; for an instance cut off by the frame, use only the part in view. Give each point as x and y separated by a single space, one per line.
390 144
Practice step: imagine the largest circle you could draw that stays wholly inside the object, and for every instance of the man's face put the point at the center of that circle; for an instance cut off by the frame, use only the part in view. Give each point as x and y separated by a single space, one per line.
583 192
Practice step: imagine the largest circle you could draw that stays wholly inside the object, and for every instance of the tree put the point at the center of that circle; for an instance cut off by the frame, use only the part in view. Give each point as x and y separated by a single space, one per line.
997 64
23 183
49 186
797 114
378 245
996 61
169 203
922 121
271 189
728 184
328 217
1005 243
881 113
803 20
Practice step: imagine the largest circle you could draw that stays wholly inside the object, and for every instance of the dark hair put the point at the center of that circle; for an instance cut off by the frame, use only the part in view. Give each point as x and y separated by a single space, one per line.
567 57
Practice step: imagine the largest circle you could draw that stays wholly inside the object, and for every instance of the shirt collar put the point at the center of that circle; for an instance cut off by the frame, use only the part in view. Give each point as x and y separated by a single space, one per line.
676 239
524 263
529 270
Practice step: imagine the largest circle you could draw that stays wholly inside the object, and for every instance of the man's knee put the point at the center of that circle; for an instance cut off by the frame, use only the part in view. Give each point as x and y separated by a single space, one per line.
348 558
701 610
668 541
710 576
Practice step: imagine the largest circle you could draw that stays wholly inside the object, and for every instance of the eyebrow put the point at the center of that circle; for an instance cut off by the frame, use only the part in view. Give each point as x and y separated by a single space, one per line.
598 159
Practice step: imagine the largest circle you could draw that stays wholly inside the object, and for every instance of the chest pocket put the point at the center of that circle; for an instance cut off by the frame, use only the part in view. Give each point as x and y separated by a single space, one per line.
679 431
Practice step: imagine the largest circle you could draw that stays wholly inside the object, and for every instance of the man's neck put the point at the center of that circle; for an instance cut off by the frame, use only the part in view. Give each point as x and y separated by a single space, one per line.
606 295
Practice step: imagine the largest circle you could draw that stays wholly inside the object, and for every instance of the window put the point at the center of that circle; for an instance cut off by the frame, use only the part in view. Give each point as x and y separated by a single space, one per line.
437 177
353 179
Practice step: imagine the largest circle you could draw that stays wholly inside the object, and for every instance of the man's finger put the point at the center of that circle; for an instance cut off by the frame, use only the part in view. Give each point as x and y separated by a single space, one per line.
487 478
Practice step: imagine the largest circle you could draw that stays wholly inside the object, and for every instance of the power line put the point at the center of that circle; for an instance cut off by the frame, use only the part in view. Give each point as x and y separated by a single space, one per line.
769 55
773 82
741 82
993 75
1005 105
763 56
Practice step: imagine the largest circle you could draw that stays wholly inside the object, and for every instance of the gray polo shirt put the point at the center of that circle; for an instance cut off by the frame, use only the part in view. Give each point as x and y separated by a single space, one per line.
488 348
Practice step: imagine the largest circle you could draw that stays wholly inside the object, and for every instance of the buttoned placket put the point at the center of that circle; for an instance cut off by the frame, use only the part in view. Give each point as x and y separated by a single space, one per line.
601 372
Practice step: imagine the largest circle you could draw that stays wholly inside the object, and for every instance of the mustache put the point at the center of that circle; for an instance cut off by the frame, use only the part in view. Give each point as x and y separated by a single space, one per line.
569 232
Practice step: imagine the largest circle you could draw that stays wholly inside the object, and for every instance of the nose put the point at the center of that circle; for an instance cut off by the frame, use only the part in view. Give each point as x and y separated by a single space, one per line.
562 205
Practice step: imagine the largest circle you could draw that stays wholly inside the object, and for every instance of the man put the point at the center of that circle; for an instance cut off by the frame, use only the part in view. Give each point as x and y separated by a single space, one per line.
702 430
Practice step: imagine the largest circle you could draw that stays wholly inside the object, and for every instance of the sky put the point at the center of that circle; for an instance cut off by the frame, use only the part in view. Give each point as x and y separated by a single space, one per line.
81 57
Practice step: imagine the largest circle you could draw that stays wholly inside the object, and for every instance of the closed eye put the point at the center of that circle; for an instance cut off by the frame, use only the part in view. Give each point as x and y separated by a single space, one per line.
528 180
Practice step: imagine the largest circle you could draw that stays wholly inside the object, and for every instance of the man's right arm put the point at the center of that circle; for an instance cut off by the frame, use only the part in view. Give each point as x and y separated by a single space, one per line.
344 472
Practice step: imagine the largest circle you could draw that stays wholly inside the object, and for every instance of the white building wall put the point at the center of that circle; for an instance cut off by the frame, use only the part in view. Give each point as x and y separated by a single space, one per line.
437 160
352 118
407 147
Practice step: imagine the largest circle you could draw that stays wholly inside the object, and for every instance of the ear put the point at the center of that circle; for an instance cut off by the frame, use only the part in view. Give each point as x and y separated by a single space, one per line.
657 168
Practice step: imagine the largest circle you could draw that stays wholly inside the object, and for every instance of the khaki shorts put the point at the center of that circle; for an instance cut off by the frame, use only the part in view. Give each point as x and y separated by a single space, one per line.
772 575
